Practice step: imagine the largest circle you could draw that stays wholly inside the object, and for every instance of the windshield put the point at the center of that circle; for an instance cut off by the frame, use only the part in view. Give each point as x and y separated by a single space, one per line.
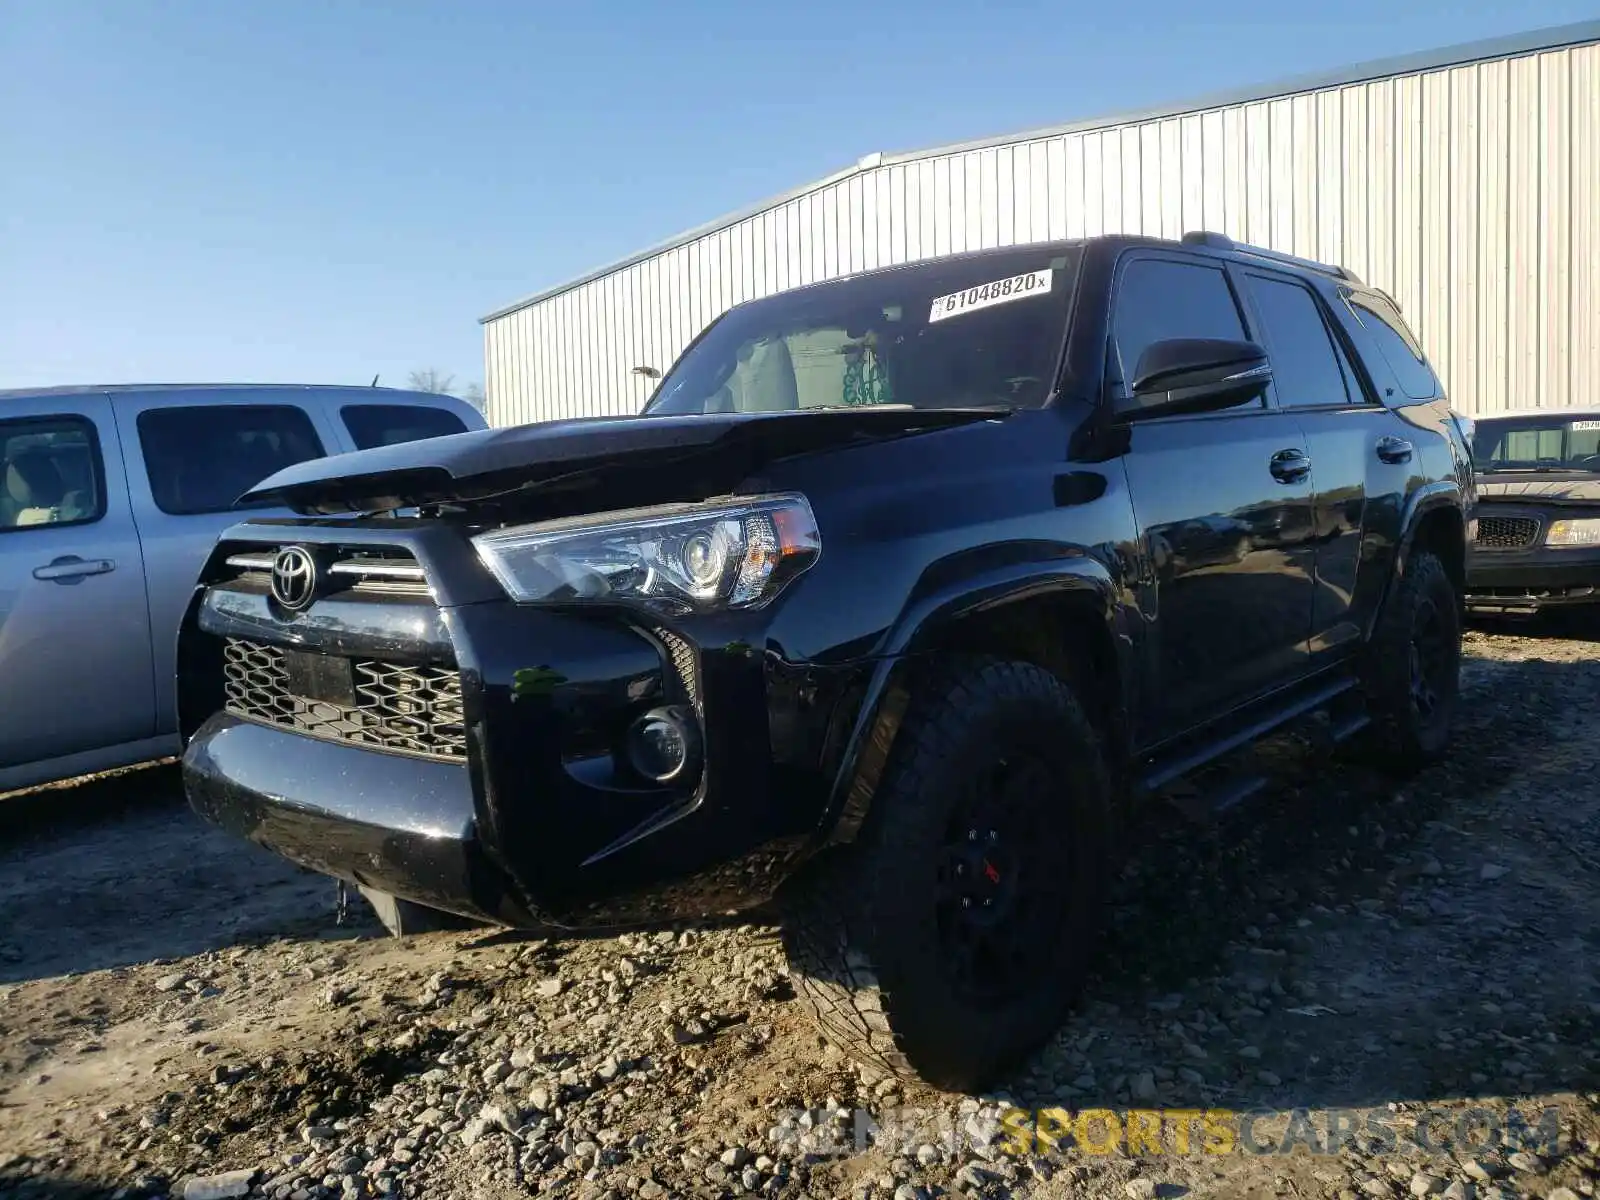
979 332
1538 443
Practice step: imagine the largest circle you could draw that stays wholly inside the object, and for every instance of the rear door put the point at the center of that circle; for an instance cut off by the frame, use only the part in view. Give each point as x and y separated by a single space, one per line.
75 651
1360 457
1223 501
190 455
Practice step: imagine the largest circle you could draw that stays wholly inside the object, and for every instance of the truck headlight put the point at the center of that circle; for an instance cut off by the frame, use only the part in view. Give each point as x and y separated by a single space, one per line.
1581 532
677 558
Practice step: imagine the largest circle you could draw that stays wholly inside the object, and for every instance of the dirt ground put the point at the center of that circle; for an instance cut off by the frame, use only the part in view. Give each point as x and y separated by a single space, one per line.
1381 981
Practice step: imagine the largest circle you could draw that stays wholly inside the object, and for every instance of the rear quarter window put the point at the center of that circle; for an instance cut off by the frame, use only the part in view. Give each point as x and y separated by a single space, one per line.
201 459
1396 343
386 424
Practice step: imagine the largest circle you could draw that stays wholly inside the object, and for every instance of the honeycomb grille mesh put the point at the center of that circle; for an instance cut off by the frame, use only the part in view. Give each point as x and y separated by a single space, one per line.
410 709
1506 533
684 664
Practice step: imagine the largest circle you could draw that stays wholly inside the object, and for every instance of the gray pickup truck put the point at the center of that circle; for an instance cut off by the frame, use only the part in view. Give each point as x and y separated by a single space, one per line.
110 500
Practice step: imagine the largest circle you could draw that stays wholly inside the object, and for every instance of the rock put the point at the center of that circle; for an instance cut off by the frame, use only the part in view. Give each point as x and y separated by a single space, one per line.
1269 1078
1424 1184
1140 1189
1481 1169
1523 1161
1143 1086
219 1187
1380 1189
1493 871
735 1157
1459 1191
550 988
171 983
1561 1193
541 1097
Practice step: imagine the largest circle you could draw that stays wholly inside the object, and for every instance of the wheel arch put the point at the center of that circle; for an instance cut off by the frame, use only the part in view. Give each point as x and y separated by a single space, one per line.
1436 522
1060 615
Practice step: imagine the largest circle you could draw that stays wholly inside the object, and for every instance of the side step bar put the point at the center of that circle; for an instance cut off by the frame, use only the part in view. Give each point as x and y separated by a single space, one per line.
1207 800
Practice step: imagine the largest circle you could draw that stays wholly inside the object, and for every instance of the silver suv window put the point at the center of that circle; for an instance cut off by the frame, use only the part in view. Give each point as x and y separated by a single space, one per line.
202 458
386 424
50 473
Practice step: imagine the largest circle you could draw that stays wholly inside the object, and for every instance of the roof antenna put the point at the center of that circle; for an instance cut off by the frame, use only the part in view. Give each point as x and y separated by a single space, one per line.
374 382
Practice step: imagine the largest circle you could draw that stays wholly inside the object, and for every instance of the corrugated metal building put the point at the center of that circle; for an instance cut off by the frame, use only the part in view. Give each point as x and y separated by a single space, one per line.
1465 183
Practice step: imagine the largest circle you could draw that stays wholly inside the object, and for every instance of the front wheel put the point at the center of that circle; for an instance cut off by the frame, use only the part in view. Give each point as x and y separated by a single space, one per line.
1413 670
946 942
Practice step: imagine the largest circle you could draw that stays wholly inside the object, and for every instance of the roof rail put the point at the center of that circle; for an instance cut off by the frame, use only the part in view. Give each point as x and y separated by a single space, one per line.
1221 241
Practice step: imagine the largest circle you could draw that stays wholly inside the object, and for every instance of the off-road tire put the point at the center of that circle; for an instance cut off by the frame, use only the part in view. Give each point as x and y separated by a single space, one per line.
1406 734
868 954
403 918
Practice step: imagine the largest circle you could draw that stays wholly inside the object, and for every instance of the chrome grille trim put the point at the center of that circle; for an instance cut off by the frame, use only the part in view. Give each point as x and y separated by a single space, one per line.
399 707
391 571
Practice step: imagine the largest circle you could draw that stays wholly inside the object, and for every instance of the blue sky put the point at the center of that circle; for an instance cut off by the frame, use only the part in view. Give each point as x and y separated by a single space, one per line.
324 190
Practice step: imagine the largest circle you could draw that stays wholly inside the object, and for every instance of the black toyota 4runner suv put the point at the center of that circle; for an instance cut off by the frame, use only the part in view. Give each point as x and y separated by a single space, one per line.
903 588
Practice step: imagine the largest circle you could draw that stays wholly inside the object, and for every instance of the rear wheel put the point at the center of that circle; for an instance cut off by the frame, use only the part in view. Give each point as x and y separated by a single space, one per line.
947 940
403 918
1414 667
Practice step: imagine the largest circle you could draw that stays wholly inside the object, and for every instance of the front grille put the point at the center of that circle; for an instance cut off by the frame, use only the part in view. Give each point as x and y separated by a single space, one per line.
1506 533
376 570
409 709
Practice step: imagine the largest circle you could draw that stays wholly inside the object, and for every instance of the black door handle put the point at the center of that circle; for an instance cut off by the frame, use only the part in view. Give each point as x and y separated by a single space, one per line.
1394 450
1290 466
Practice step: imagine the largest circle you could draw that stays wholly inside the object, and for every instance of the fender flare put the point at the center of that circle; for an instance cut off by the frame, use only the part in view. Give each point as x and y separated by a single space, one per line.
883 705
1442 493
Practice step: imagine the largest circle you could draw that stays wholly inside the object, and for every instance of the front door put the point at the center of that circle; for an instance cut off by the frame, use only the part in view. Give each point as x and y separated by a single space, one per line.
1224 505
75 662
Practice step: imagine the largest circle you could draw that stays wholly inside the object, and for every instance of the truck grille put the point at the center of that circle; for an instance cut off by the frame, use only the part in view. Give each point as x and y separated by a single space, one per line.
1506 533
398 707
376 570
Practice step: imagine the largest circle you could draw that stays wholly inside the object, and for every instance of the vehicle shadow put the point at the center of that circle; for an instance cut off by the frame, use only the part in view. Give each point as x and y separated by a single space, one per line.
1349 942
115 870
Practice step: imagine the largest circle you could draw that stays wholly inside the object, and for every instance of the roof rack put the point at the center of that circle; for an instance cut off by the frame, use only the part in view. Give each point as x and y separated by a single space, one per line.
1221 241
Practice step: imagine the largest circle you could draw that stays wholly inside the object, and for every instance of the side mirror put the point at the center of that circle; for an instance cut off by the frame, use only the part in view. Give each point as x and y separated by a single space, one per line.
1188 375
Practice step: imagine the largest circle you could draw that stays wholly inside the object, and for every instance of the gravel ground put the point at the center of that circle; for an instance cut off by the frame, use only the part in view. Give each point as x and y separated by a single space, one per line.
181 1015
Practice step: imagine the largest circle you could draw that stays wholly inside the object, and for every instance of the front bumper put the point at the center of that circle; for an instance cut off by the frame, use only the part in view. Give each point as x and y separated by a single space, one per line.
1526 579
536 819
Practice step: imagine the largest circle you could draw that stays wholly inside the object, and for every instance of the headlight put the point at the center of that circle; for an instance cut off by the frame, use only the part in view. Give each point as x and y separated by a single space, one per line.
1574 533
677 558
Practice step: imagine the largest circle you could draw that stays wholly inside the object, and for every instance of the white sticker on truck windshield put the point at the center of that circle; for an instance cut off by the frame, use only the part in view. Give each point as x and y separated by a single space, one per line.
1581 426
986 295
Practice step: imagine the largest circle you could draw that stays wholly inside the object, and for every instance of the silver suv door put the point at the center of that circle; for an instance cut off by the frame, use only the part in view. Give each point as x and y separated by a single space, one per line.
190 455
75 664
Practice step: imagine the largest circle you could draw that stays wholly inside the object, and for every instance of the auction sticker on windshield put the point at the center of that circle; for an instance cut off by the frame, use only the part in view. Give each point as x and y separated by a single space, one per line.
1584 426
986 295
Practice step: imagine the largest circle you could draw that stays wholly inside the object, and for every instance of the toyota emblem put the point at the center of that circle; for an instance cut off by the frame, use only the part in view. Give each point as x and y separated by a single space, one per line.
294 578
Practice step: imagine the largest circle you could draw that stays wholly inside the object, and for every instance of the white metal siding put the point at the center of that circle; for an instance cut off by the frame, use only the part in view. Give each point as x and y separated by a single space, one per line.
1470 193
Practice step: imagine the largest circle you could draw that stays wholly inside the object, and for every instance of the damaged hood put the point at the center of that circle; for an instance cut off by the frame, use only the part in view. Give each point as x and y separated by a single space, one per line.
1581 487
583 453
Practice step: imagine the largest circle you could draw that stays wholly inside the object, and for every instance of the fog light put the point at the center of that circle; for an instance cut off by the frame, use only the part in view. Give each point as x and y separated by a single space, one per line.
664 745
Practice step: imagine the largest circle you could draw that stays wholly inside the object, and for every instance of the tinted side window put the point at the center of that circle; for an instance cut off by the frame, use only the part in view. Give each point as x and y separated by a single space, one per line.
385 424
1159 299
1305 369
50 473
1395 342
202 459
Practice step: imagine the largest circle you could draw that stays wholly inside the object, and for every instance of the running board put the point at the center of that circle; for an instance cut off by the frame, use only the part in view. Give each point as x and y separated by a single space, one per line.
1337 714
